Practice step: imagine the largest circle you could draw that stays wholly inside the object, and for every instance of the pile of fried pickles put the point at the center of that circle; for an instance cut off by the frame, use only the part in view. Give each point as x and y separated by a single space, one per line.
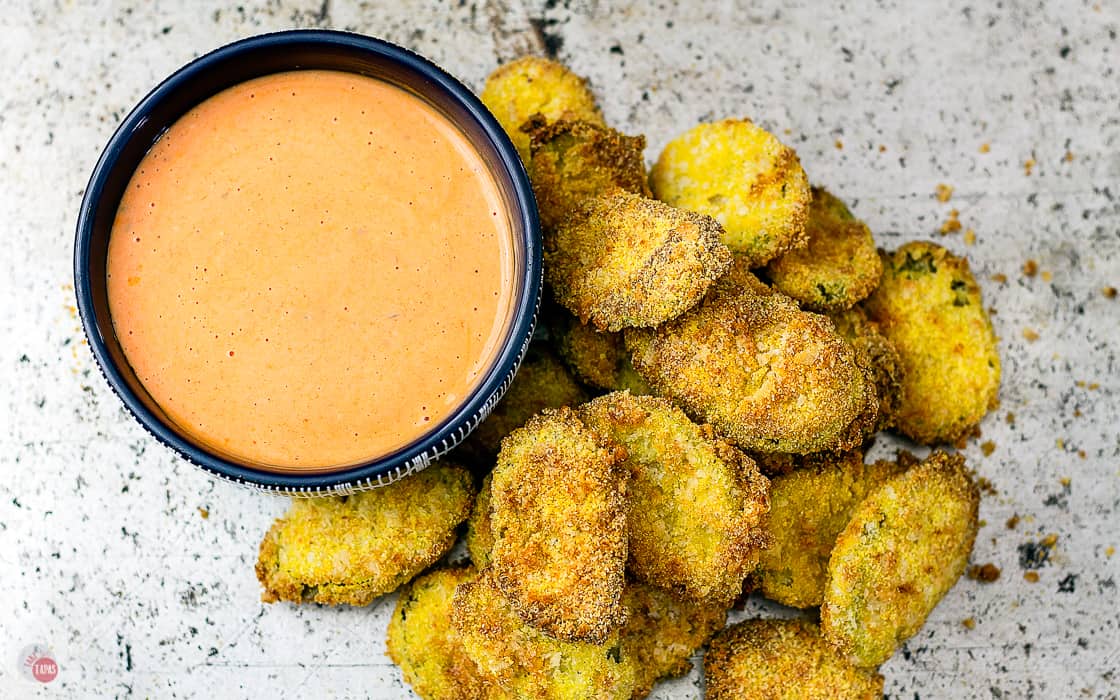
719 343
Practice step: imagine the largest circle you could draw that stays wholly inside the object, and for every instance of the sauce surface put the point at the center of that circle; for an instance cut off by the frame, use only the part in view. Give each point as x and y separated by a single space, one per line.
311 269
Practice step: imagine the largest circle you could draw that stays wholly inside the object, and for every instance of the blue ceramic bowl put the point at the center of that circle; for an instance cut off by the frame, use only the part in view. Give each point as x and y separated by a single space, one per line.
252 58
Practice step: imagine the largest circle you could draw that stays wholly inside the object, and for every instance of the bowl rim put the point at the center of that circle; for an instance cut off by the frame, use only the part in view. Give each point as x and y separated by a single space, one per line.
420 452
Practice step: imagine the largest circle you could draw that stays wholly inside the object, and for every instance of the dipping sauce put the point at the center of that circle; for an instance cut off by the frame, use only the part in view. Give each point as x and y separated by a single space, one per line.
310 270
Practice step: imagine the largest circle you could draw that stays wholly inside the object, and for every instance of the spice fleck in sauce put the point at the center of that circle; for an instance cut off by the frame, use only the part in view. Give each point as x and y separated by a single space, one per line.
311 269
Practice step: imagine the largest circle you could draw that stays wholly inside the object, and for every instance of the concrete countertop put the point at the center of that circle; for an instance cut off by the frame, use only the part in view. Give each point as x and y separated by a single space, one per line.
136 570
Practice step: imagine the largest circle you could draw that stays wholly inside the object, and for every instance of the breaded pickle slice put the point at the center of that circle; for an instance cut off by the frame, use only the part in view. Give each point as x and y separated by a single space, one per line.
838 267
423 642
906 545
929 306
696 502
480 538
808 510
558 518
662 632
785 659
623 261
876 353
573 160
532 85
597 358
744 178
542 382
527 663
767 375
352 549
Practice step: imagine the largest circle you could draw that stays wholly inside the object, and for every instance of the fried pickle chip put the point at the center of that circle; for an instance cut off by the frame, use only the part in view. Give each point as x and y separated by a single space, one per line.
352 549
574 160
808 510
662 632
782 659
906 545
928 305
837 268
480 538
622 261
542 382
877 354
558 518
695 502
597 358
744 178
527 663
767 375
531 85
427 647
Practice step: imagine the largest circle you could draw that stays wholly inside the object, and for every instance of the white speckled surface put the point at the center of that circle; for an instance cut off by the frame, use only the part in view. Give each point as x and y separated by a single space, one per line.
104 555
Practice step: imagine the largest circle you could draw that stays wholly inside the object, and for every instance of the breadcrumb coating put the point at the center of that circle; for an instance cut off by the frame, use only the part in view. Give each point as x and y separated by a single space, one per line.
696 503
929 306
527 663
352 549
480 538
532 85
782 659
744 178
623 261
906 545
429 650
767 375
558 519
574 160
837 268
597 358
808 510
876 354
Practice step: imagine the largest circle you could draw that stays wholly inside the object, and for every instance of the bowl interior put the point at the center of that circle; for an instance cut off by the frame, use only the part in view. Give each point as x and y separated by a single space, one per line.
254 58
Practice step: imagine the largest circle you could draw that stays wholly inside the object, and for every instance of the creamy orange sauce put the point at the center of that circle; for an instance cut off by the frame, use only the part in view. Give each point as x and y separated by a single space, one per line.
311 269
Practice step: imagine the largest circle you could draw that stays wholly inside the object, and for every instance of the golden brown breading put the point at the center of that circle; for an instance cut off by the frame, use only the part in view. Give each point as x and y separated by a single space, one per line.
623 261
695 503
837 268
808 510
906 545
782 659
531 85
929 306
480 538
744 178
596 358
526 662
542 382
352 549
558 518
878 355
427 647
662 631
767 375
574 160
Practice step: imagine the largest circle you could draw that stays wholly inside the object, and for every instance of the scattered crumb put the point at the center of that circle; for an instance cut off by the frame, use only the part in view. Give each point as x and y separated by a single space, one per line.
1030 576
1109 551
1030 268
1028 166
969 623
986 486
999 277
882 148
985 147
969 236
1047 276
1065 481
1013 522
1060 444
1030 334
952 224
1081 454
839 145
1077 413
1080 383
1094 386
987 447
1049 541
1010 418
984 573
1109 292
1068 157
204 513
944 192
